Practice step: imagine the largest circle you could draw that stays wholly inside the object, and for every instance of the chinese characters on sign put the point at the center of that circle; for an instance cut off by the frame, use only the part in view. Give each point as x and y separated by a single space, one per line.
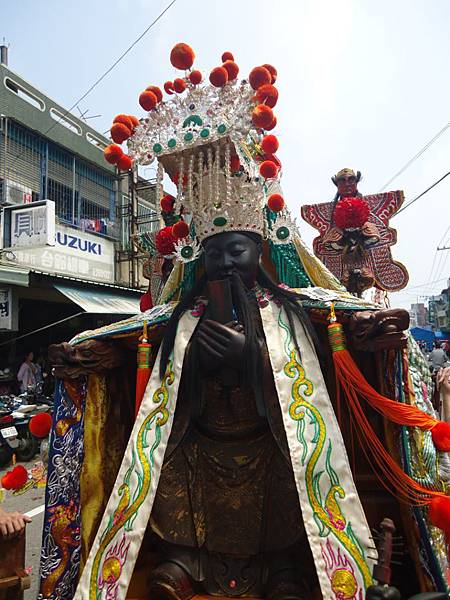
33 225
76 253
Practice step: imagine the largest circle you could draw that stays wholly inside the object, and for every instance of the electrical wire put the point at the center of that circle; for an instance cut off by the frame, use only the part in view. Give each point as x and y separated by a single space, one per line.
107 72
432 274
422 194
416 156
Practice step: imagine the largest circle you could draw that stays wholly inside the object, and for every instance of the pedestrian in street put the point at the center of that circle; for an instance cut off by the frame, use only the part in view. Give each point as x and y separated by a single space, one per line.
27 373
437 357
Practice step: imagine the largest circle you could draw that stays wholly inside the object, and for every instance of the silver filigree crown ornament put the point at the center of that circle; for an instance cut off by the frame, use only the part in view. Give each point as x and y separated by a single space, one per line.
212 141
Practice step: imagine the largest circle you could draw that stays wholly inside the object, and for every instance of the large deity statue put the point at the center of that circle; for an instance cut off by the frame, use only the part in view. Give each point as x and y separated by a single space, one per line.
354 235
238 474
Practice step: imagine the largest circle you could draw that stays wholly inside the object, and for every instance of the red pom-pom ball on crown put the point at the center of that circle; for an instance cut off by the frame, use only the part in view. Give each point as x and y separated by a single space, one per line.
272 71
232 69
180 230
125 120
351 212
218 77
112 154
120 133
164 241
167 203
267 94
125 163
275 202
259 76
148 100
272 125
168 88
182 56
270 144
155 90
262 116
268 169
40 425
195 77
134 120
179 85
227 56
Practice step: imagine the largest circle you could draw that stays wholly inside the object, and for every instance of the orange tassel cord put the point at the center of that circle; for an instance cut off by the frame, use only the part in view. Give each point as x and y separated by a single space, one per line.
395 480
143 367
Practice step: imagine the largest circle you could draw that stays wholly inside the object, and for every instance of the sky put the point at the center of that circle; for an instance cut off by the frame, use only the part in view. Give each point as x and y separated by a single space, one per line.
362 84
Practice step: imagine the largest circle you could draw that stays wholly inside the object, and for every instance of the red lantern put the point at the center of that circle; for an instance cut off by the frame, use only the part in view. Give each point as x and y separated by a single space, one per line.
268 169
179 85
112 154
195 77
275 202
182 56
218 76
262 116
120 133
259 76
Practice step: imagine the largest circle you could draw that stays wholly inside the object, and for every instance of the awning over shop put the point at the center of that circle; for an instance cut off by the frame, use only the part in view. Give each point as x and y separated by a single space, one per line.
100 301
14 275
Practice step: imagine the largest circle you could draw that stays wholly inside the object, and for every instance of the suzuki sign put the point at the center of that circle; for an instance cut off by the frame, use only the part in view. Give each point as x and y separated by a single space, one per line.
75 253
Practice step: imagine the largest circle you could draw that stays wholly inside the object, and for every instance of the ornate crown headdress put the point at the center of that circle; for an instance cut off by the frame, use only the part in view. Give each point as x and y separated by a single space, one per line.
211 139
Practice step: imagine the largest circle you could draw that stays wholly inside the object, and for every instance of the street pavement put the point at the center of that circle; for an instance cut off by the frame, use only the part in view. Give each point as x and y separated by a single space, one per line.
30 501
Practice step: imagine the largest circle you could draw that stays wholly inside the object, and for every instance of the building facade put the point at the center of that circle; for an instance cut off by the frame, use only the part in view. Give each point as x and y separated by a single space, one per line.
67 218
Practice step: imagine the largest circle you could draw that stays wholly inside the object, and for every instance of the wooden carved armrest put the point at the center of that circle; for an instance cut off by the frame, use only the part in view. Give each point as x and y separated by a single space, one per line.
90 356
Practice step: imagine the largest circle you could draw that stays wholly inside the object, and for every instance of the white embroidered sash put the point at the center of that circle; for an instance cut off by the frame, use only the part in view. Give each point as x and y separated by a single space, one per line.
334 520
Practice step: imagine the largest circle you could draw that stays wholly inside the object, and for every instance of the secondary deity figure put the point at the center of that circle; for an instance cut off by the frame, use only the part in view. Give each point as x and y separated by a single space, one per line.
355 237
231 469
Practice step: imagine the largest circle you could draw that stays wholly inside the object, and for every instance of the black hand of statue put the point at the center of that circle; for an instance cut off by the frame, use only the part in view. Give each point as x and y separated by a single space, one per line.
221 345
382 592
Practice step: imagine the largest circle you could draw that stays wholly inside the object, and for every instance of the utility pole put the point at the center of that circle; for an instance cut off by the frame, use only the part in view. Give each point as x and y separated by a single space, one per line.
443 248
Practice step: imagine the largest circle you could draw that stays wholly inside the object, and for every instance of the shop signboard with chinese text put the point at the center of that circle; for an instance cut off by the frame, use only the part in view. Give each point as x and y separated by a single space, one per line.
76 253
29 226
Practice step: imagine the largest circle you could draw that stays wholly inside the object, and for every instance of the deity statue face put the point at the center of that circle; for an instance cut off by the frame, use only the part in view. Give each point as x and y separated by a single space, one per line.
347 186
230 252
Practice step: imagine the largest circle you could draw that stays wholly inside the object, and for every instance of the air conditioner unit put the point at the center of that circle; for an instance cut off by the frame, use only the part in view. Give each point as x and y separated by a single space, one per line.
16 193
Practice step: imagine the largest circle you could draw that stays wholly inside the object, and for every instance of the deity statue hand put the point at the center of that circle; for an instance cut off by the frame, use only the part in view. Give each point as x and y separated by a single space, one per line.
380 330
382 592
221 345
90 356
